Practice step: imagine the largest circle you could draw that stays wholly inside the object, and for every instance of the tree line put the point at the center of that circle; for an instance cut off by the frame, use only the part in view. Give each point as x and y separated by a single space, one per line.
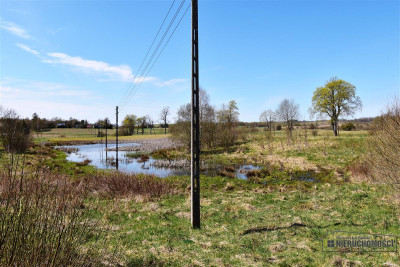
336 99
133 123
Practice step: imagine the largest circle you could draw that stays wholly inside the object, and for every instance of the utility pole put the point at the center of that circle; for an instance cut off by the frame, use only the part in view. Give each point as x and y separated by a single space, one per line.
106 122
106 136
195 125
116 114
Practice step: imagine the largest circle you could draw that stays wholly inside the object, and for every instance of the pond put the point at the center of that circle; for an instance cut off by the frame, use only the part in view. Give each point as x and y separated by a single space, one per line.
102 159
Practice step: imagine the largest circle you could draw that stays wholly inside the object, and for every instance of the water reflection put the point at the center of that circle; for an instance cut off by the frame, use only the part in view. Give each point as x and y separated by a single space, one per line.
103 159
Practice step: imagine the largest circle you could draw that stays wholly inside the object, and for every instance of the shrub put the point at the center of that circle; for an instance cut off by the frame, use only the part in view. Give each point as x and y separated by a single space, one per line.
122 131
348 126
384 146
279 127
42 215
314 132
133 155
41 223
84 163
143 158
14 133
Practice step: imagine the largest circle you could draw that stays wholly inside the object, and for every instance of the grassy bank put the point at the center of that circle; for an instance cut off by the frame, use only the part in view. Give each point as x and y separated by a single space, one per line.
146 220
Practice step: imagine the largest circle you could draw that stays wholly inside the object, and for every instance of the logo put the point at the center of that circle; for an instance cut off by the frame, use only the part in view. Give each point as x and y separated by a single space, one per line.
342 241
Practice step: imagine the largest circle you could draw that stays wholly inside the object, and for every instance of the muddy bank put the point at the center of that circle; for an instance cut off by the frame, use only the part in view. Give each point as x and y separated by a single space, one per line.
149 145
165 163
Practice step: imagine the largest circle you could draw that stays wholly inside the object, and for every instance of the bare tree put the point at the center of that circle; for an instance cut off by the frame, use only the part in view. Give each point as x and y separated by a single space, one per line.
268 116
164 118
228 117
208 127
288 112
150 124
229 113
181 130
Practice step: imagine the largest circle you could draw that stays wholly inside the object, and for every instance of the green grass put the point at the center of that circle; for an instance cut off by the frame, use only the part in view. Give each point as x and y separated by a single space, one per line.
323 150
57 162
160 232
65 135
338 152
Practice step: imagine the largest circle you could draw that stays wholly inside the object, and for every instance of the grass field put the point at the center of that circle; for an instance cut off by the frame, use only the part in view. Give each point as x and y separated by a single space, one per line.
60 135
159 232
254 222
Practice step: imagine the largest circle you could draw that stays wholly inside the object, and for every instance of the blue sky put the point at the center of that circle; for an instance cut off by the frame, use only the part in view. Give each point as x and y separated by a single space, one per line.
77 58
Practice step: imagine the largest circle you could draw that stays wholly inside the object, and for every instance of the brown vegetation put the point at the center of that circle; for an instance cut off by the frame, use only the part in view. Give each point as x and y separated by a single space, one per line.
41 222
14 133
384 146
42 215
126 185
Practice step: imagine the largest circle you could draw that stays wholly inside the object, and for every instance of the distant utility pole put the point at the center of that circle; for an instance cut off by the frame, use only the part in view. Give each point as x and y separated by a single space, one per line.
195 125
116 114
101 133
106 122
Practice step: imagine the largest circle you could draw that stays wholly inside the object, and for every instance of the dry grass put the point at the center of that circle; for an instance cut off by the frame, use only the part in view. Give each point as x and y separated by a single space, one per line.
42 214
126 185
41 222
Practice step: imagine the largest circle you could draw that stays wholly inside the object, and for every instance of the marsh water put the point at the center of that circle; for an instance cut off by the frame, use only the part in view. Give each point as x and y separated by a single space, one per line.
103 159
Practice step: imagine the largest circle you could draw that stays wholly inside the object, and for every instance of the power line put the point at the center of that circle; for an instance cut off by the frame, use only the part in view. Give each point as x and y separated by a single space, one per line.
141 77
155 37
154 52
144 77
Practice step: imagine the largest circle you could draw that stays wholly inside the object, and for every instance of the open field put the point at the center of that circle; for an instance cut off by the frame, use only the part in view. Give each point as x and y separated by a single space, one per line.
281 144
292 223
256 222
67 135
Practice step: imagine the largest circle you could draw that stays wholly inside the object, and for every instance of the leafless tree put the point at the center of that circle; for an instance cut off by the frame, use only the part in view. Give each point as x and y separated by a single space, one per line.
288 112
228 118
181 130
268 116
213 132
164 118
208 126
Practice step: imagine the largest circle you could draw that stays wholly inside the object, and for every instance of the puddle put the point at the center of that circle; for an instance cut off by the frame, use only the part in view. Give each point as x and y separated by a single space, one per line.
97 154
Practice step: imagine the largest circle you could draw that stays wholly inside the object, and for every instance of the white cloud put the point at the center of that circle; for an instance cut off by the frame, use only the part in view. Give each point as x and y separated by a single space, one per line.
123 72
27 49
170 83
24 89
14 29
145 79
